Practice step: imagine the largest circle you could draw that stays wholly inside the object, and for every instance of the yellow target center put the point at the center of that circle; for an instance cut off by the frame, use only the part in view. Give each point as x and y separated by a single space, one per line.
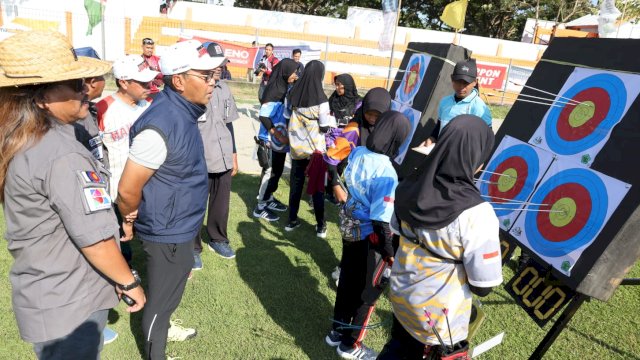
507 180
562 212
581 114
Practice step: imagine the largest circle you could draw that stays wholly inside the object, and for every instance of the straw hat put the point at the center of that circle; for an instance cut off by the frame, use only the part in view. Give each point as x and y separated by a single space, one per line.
37 57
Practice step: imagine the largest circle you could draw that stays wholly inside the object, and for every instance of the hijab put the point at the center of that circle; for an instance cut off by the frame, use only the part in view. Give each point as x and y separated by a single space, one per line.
392 129
443 186
308 90
278 82
344 105
376 99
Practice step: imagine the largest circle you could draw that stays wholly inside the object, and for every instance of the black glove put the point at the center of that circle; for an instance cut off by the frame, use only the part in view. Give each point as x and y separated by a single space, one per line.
385 238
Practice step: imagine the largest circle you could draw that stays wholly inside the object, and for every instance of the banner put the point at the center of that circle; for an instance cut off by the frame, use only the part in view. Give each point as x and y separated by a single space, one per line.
491 76
389 19
239 56
283 52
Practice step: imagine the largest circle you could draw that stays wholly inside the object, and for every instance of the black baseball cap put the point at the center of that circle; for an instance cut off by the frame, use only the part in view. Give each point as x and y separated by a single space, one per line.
215 50
465 70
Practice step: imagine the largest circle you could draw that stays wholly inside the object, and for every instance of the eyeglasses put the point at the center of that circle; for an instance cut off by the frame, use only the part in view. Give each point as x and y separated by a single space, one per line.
207 78
147 41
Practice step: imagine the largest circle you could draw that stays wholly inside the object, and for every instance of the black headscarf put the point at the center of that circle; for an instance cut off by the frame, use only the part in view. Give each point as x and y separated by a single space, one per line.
342 106
376 99
392 129
308 89
278 82
443 186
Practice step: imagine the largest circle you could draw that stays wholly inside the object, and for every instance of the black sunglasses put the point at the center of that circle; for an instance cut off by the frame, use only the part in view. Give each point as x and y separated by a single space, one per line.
77 85
147 41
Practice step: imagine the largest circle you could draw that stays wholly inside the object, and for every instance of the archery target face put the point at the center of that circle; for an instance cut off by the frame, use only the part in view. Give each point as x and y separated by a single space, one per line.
567 212
580 120
510 176
412 79
414 118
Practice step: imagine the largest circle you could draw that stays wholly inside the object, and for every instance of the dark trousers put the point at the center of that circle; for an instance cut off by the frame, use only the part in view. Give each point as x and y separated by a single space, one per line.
357 293
218 215
401 346
168 266
85 342
277 167
295 192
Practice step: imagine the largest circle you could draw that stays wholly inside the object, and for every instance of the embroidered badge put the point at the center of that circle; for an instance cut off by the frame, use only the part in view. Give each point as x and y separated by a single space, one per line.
97 199
92 177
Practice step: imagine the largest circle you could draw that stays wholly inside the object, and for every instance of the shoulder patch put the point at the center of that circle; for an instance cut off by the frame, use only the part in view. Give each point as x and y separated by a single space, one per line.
91 177
97 199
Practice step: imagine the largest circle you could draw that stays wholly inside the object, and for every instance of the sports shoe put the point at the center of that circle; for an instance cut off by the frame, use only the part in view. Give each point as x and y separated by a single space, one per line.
292 225
190 275
223 249
357 352
179 333
274 204
334 338
321 231
197 262
335 275
265 213
109 336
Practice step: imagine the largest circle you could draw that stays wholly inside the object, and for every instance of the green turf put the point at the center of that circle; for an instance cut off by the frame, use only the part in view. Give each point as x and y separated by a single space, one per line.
274 301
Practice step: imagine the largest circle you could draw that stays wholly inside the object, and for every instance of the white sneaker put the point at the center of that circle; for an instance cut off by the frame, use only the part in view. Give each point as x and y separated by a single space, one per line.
179 333
335 275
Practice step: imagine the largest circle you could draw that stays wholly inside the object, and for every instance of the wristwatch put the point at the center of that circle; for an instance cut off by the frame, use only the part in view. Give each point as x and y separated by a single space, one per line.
131 286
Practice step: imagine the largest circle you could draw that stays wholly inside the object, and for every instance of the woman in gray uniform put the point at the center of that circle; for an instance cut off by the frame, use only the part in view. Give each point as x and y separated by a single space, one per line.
61 229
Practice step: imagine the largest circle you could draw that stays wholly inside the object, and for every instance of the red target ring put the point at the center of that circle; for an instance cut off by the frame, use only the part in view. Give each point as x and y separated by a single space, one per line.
580 195
601 101
517 163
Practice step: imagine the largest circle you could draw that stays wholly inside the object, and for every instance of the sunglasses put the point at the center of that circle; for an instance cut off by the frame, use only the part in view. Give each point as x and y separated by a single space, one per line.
147 41
77 85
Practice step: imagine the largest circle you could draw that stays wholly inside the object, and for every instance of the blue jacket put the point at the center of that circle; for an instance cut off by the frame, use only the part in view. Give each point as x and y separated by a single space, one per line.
174 200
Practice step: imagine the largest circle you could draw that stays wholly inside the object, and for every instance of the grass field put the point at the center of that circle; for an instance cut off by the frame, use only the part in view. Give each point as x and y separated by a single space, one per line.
274 301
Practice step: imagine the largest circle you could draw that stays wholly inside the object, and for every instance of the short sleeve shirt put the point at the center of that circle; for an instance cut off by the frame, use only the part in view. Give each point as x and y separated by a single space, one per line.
216 137
56 201
372 182
471 105
421 280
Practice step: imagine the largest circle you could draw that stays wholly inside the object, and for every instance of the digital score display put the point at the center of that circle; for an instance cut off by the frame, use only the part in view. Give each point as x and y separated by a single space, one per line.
538 292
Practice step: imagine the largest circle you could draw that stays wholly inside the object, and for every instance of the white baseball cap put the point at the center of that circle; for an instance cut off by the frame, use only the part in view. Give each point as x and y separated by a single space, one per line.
133 67
187 55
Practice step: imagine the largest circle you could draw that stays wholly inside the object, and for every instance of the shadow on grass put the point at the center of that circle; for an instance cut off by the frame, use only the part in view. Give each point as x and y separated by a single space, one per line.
604 344
284 285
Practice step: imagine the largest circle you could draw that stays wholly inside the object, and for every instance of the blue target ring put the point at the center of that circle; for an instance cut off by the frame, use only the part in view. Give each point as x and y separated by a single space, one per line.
598 201
618 97
530 157
418 62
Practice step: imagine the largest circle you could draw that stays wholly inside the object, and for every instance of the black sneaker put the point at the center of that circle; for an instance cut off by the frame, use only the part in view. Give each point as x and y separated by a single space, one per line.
265 214
334 338
292 225
275 205
321 231
357 352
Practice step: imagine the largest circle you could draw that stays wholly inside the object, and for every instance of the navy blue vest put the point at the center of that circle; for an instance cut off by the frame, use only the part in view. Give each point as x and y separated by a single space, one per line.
174 199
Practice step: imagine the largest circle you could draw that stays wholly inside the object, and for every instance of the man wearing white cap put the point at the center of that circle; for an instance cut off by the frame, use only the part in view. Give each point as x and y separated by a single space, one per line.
165 180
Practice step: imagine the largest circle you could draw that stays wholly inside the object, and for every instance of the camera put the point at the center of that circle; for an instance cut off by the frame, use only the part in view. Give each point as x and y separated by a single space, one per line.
261 67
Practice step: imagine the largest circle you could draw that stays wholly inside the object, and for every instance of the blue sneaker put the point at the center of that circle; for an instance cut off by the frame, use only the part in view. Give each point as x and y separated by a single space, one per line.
109 335
197 262
223 249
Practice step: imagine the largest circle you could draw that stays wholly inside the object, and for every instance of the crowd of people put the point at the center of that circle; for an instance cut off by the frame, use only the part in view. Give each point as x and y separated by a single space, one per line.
79 179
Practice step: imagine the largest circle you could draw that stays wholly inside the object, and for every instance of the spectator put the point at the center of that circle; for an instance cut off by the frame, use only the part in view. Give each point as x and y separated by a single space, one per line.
225 74
265 67
216 129
153 62
60 228
165 180
449 247
345 100
296 55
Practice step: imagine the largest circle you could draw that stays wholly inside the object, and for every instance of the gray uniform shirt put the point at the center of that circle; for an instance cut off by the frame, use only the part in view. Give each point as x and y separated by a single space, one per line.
56 202
217 139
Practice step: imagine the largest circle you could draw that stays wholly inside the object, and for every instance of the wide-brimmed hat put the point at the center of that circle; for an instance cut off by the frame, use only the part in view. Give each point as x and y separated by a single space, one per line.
38 57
